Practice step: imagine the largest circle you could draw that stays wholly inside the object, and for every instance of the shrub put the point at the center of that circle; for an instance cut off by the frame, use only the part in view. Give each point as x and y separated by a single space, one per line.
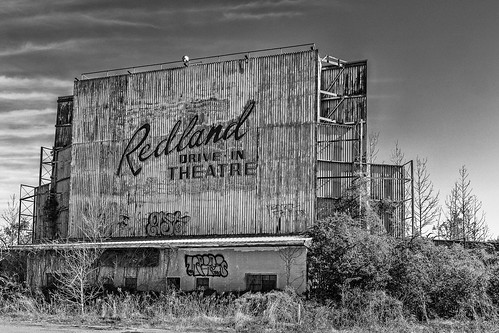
344 256
439 281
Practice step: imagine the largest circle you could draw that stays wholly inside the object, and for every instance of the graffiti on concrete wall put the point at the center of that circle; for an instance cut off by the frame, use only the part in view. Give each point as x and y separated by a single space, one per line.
166 224
206 265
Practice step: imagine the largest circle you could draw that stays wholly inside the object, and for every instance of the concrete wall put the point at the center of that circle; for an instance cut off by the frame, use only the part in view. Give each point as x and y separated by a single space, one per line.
226 268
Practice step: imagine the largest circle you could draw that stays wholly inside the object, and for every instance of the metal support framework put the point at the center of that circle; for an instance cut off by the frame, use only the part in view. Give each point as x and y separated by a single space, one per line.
46 164
27 214
409 195
28 196
342 151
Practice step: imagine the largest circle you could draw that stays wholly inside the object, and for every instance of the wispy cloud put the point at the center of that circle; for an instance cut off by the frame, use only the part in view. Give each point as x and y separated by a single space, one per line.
27 96
29 47
110 20
259 16
9 83
385 80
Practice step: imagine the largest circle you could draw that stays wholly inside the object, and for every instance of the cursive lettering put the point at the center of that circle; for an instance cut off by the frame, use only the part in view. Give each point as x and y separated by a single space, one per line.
138 149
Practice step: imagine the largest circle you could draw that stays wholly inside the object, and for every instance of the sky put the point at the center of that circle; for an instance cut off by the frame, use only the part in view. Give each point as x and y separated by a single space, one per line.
433 68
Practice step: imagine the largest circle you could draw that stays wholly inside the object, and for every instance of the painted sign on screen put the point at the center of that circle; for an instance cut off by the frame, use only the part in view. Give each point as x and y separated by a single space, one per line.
140 148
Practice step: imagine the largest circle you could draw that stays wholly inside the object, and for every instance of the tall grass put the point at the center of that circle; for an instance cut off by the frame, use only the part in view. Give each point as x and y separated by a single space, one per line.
276 311
359 282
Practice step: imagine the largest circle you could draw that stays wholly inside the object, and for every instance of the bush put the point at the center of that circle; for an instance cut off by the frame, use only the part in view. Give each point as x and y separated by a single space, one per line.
366 308
343 256
429 281
443 282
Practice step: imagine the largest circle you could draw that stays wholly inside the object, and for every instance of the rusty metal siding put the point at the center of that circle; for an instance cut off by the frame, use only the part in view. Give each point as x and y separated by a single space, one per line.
388 182
61 187
280 139
337 143
64 117
350 84
41 229
337 151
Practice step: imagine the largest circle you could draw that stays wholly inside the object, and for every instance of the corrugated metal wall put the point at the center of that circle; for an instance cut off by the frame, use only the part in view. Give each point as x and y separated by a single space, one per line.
61 187
41 229
388 182
349 82
342 148
280 137
63 122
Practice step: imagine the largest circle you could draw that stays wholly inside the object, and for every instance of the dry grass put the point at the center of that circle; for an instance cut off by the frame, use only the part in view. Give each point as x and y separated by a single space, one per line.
277 311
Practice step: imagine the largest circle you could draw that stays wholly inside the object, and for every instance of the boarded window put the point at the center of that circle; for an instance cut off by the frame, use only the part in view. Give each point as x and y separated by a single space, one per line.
261 282
131 283
173 283
143 257
202 283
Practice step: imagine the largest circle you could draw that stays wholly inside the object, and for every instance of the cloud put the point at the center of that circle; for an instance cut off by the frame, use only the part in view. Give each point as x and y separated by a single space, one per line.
8 83
117 22
20 127
18 93
385 80
260 16
19 163
27 95
30 47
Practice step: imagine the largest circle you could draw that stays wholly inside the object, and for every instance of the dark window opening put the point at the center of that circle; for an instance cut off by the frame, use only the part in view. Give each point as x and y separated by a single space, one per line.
51 279
261 282
56 279
142 257
131 283
202 283
173 283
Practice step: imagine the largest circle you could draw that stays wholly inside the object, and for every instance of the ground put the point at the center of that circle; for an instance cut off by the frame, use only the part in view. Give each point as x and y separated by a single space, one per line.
14 326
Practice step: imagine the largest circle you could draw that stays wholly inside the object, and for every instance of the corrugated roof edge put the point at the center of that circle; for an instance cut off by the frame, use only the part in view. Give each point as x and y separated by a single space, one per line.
124 70
175 243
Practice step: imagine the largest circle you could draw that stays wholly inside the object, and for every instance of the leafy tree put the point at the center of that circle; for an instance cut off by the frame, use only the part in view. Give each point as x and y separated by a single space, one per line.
343 255
356 202
465 219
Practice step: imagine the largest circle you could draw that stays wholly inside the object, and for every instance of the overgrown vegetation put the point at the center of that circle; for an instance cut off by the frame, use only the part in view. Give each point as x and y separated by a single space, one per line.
427 281
359 282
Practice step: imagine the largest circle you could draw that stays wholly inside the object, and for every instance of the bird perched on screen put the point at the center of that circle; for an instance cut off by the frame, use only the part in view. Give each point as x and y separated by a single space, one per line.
185 59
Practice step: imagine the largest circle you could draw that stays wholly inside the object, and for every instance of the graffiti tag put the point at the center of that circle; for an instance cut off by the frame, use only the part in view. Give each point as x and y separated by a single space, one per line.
280 210
206 265
166 224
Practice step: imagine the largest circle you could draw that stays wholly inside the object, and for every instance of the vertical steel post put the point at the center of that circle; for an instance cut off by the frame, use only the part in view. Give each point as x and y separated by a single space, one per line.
412 196
19 216
41 168
361 171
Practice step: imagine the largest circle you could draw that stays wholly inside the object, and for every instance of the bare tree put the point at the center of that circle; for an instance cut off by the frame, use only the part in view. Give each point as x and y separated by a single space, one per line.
465 219
426 203
79 267
373 146
289 257
12 230
397 156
